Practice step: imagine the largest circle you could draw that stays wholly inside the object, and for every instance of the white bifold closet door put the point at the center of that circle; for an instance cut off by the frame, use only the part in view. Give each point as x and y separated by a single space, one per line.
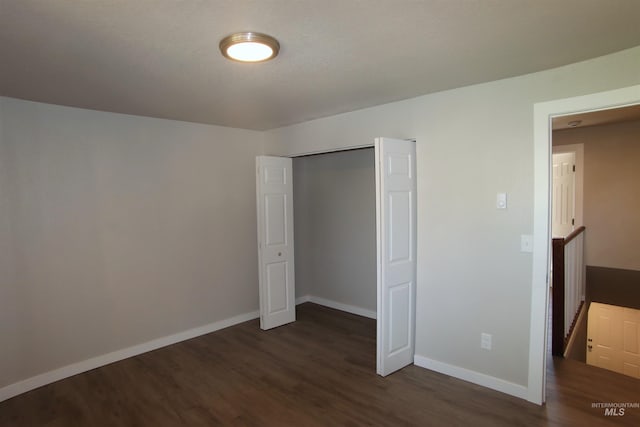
396 248
395 171
275 241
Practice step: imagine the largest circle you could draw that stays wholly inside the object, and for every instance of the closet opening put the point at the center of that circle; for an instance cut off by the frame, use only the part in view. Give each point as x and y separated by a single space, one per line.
330 265
334 200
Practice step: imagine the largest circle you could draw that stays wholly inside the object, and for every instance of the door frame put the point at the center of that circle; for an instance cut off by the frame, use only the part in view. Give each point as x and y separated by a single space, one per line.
378 241
543 113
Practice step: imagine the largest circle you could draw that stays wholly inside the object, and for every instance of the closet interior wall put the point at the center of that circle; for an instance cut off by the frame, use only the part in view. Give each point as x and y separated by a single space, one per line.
335 228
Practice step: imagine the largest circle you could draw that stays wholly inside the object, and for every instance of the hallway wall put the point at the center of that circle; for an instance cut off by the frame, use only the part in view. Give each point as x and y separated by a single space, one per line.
611 196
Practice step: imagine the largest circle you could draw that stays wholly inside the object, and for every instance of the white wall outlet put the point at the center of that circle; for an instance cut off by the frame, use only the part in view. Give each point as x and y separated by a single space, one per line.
526 243
501 201
485 341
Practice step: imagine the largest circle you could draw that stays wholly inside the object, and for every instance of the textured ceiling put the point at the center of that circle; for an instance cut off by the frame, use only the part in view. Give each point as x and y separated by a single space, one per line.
600 117
160 58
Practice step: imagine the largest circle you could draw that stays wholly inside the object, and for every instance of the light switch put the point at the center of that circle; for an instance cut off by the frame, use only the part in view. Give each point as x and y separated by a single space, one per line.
501 201
526 243
485 341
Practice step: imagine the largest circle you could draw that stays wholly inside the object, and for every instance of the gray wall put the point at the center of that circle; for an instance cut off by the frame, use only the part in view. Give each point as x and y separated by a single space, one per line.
472 143
125 229
9 312
335 234
611 192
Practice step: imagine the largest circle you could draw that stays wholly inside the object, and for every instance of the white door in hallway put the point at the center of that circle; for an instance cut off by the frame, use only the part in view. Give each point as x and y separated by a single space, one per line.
563 201
396 248
613 338
274 189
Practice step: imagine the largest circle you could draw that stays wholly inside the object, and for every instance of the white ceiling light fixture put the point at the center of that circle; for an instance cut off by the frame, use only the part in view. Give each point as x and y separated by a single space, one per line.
249 47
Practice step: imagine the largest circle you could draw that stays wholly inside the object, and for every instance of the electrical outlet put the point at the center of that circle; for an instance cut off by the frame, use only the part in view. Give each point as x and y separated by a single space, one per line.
485 341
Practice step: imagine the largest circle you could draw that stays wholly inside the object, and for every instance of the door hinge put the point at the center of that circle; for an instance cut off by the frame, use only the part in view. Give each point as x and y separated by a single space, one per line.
574 168
573 221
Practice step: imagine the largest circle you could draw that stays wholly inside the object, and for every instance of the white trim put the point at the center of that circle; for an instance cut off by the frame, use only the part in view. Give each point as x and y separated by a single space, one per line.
337 305
542 114
379 167
330 150
32 383
303 299
484 380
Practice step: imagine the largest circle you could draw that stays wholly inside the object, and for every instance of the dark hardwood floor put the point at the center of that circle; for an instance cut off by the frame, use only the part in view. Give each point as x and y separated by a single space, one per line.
318 371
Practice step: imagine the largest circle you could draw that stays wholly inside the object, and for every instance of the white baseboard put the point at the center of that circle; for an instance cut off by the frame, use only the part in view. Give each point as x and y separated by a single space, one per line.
32 383
484 380
337 305
301 300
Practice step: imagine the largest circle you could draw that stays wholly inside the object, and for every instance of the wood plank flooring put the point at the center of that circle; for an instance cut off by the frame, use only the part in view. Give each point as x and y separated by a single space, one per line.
318 371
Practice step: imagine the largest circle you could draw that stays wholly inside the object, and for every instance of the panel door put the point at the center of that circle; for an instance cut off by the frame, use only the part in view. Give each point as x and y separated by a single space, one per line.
396 249
613 338
274 189
631 342
602 327
563 202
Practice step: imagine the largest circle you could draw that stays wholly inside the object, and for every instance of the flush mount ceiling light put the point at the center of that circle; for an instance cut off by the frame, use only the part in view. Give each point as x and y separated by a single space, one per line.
249 47
574 123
